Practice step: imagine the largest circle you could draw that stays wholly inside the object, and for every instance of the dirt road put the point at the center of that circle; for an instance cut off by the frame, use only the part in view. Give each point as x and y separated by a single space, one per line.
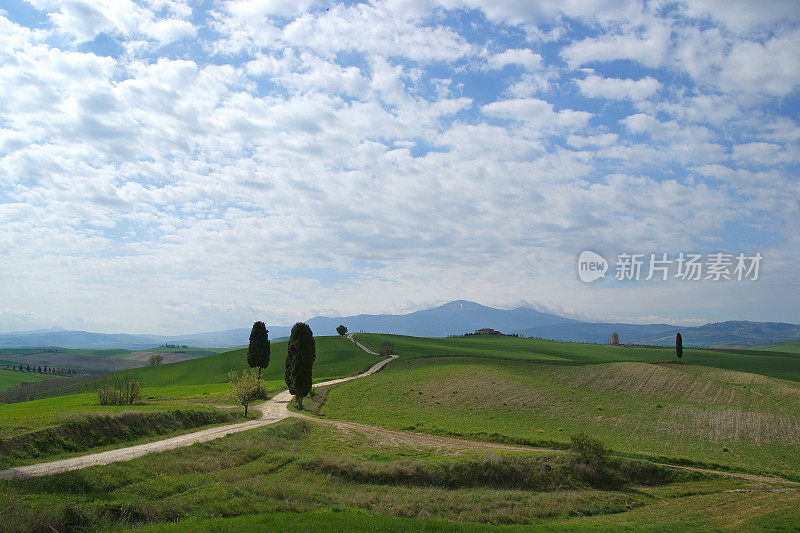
273 410
276 409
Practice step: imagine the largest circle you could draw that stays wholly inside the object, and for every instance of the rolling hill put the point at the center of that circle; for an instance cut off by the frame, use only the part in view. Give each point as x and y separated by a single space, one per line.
454 318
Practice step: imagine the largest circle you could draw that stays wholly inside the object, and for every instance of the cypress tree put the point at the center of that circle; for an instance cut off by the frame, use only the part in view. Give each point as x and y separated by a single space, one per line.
300 355
678 346
258 350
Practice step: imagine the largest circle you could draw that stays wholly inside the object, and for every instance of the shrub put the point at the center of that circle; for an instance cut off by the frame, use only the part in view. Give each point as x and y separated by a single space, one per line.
387 348
108 395
155 359
245 388
588 450
120 392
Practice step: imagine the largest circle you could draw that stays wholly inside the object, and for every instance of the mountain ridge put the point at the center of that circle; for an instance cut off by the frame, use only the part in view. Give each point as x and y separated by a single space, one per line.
453 318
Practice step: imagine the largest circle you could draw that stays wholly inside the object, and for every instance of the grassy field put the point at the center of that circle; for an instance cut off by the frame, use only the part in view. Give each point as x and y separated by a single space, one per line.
786 347
9 378
280 477
200 352
773 363
299 475
336 357
178 385
681 412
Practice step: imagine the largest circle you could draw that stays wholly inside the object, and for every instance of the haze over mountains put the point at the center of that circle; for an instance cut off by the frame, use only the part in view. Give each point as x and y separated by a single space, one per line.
454 318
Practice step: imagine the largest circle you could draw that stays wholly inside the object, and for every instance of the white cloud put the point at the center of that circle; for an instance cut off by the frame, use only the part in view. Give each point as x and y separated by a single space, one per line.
772 68
516 56
537 114
85 19
650 48
387 148
616 89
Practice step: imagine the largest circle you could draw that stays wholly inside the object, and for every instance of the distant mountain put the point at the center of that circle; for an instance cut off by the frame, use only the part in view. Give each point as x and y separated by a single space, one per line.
454 318
79 339
732 332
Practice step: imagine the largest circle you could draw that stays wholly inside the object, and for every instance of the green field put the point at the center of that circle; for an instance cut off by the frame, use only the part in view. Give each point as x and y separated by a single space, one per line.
336 357
680 412
200 352
284 477
301 475
786 347
773 363
198 381
9 378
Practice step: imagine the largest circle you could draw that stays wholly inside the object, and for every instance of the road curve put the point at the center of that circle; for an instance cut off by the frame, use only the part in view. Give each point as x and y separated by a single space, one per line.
273 410
276 409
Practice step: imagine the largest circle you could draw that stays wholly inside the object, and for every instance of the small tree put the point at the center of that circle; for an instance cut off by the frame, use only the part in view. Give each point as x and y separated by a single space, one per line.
132 391
678 345
341 329
300 355
387 348
244 388
155 359
258 350
615 338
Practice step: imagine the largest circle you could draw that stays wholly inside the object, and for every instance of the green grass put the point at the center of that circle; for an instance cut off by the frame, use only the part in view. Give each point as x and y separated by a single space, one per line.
786 347
24 417
336 357
169 386
201 352
769 363
680 412
80 434
261 479
9 378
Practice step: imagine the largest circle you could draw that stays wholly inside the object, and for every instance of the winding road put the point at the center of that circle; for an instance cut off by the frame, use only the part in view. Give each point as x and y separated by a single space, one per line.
273 410
276 409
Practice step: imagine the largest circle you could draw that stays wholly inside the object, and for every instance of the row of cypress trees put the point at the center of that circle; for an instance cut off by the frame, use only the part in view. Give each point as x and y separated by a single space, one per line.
300 355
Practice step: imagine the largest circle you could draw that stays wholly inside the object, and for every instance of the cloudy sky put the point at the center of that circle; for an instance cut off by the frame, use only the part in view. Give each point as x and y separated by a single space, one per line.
171 166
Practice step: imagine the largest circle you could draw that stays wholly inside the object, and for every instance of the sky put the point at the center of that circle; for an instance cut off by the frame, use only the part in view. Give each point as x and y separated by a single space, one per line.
174 167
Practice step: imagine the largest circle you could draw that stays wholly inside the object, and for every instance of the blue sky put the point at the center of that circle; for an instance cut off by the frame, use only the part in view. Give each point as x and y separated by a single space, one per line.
170 166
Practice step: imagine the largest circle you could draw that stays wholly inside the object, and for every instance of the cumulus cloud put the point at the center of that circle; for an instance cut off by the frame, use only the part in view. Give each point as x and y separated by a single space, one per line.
292 158
616 89
518 56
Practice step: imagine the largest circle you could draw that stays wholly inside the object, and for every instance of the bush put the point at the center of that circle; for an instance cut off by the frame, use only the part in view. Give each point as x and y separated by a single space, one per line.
245 388
387 348
120 392
81 433
155 359
588 450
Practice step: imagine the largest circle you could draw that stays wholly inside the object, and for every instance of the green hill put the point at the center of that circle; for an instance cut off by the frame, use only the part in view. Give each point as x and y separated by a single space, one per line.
682 412
774 363
786 347
336 357
9 378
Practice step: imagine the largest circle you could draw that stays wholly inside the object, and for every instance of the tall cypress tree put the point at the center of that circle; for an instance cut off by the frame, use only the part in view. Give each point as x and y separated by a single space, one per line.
678 346
300 355
258 350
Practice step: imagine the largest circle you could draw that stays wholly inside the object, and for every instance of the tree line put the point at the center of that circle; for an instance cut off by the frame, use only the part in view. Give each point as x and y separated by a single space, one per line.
301 352
41 370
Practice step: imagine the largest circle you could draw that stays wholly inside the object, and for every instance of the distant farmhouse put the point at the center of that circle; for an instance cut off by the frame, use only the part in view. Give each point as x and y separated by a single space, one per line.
487 331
